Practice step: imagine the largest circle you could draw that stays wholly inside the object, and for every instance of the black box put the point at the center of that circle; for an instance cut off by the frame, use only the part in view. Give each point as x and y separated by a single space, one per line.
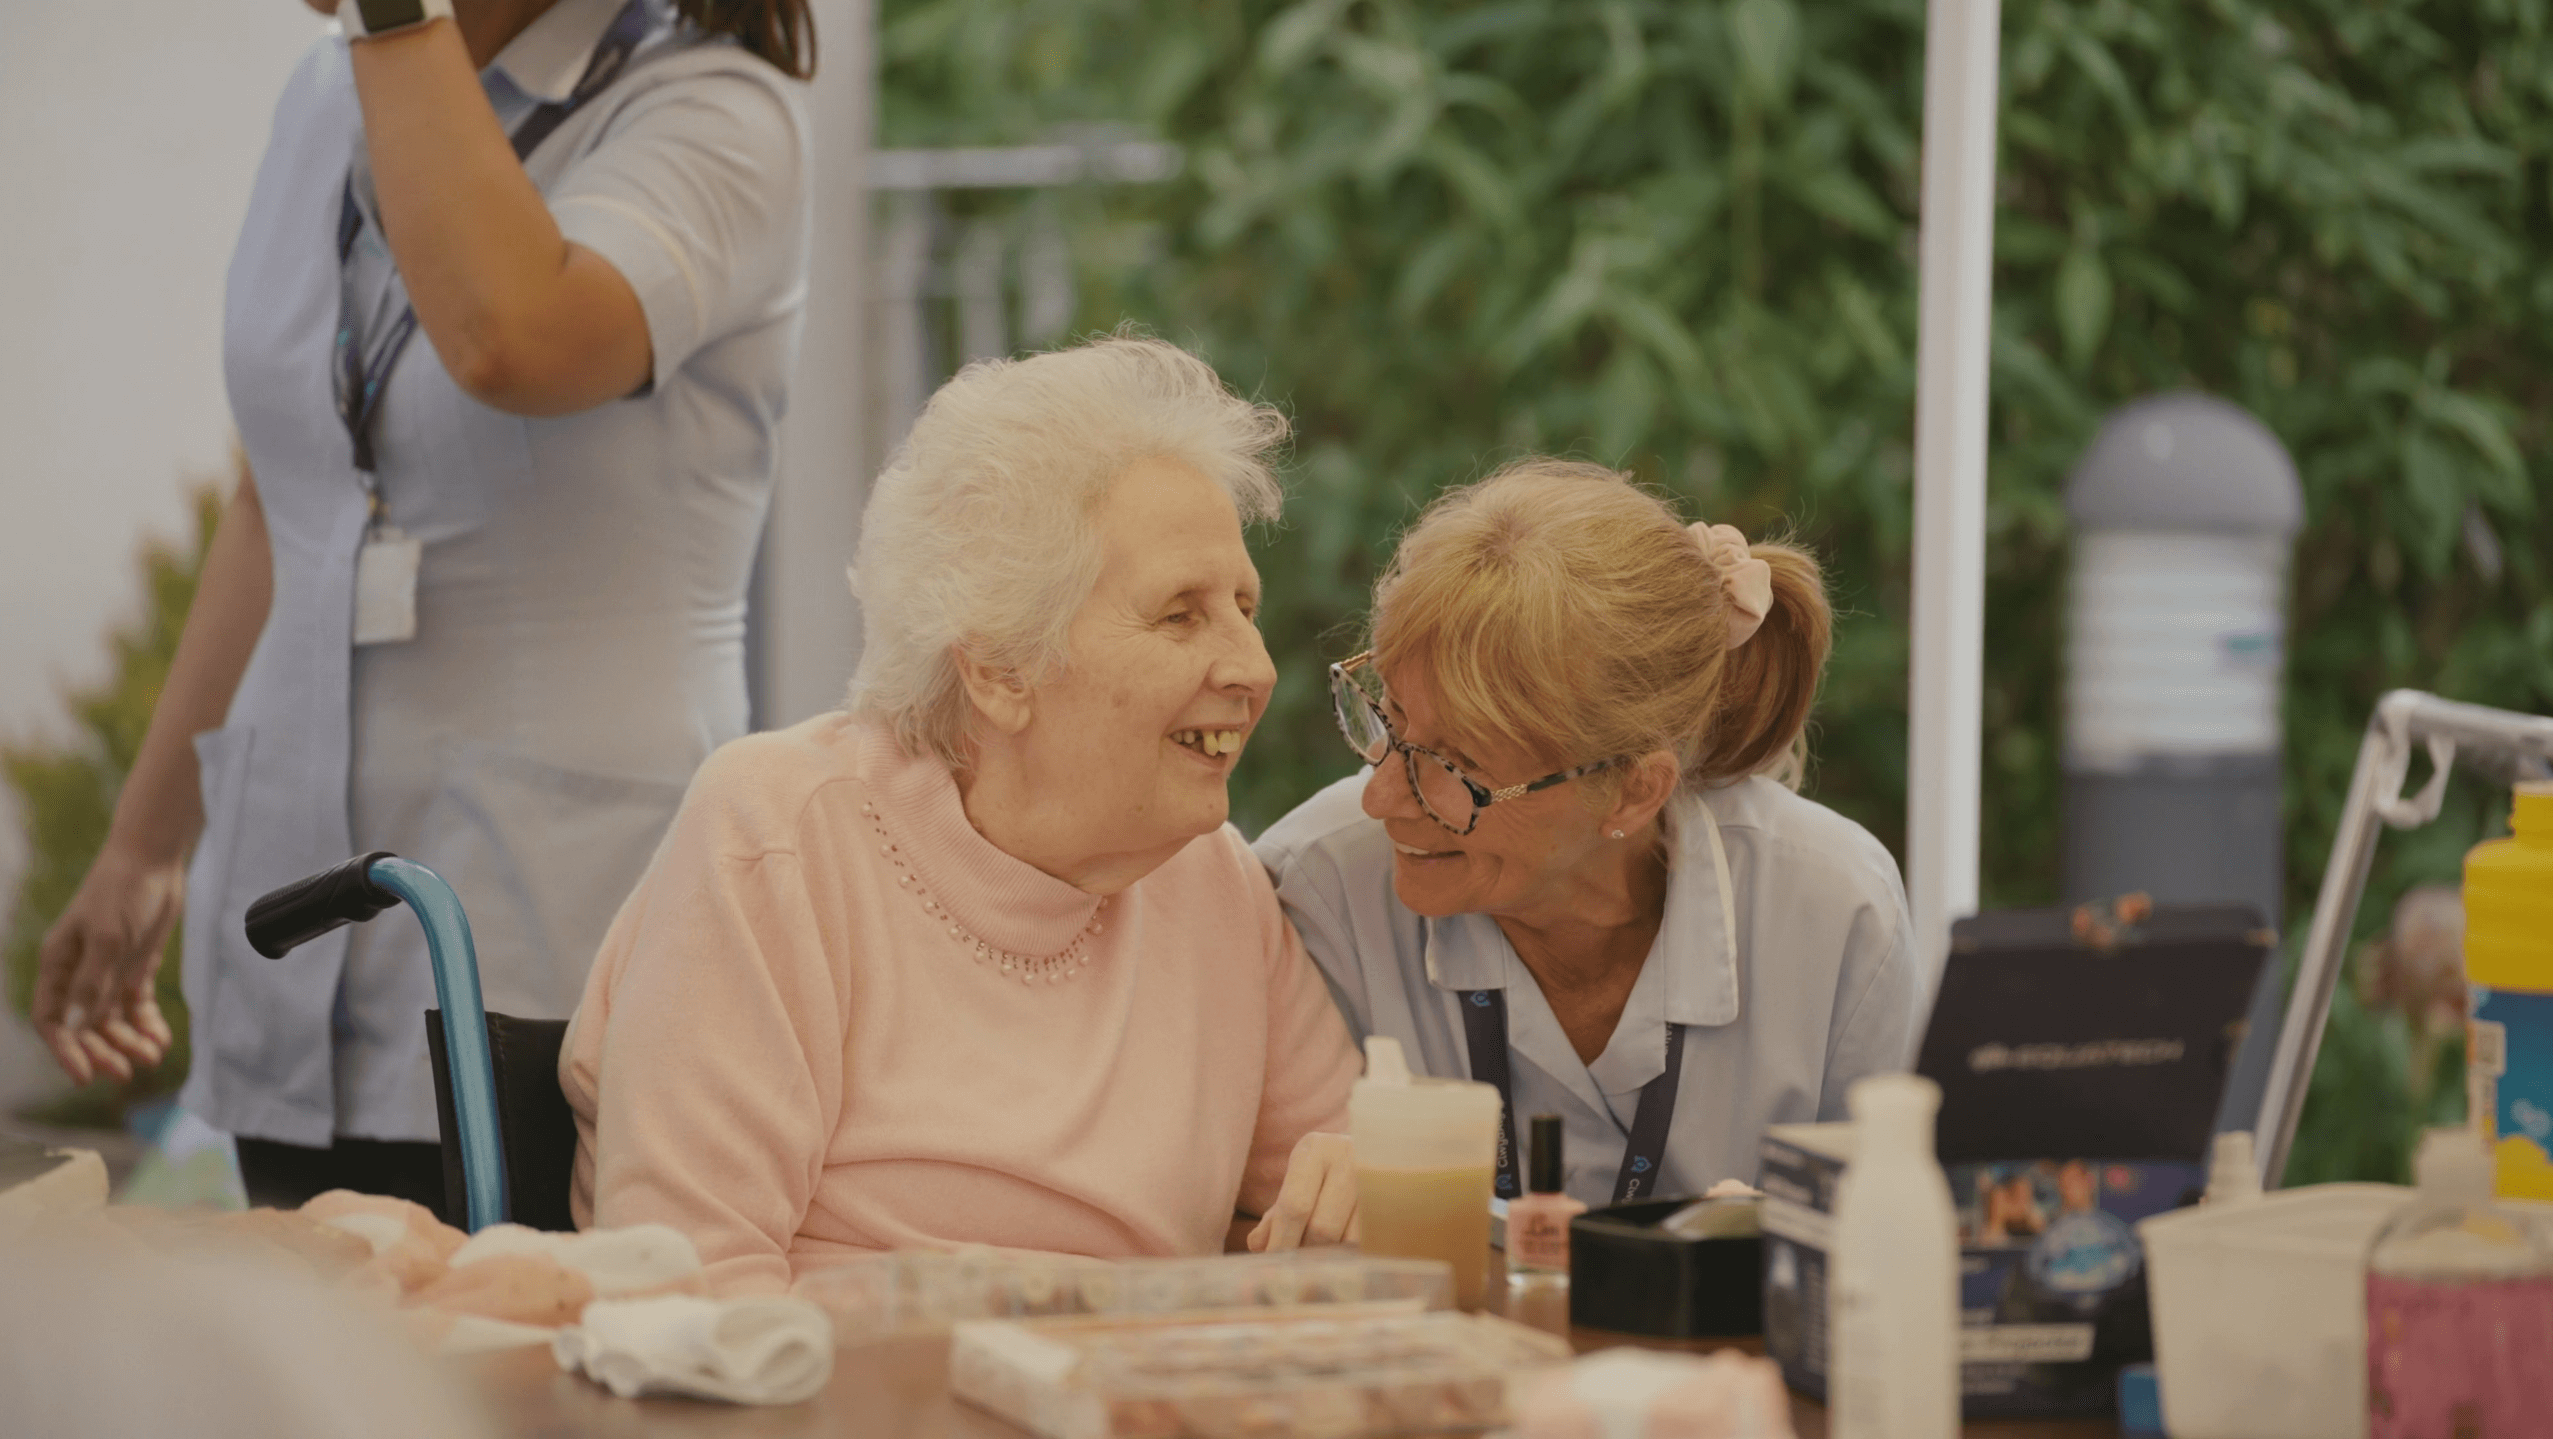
1628 1275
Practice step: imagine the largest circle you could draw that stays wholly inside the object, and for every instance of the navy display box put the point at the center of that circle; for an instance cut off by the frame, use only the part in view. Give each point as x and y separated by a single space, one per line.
2079 1088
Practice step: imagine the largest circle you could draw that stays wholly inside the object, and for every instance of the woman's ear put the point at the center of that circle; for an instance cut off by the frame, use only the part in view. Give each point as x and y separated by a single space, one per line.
1648 786
999 693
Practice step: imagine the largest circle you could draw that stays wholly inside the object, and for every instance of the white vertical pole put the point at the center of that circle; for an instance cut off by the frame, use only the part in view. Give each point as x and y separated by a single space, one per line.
811 628
1962 40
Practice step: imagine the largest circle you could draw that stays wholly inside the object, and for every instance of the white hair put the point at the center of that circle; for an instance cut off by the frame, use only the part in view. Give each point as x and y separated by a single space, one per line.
979 536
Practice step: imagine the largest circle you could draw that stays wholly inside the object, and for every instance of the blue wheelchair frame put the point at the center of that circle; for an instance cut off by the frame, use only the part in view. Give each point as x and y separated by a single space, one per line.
357 890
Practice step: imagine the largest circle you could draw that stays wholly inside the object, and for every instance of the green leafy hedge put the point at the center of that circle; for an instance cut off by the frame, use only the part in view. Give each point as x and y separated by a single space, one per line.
65 794
1680 237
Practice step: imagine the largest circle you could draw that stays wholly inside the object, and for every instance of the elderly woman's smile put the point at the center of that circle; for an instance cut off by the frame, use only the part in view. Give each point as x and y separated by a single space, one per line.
1122 756
1209 744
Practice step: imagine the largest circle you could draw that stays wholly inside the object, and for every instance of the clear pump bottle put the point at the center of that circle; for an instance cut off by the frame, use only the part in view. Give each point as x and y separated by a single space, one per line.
2459 1307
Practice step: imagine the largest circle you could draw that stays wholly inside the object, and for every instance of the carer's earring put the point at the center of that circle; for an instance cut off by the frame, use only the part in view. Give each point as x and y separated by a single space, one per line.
1617 834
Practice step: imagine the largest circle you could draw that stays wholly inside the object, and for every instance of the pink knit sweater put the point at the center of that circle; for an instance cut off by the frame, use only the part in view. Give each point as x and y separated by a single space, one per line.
834 1018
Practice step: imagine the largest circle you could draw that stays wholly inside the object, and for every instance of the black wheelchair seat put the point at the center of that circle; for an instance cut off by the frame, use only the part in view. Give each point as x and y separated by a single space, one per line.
537 1130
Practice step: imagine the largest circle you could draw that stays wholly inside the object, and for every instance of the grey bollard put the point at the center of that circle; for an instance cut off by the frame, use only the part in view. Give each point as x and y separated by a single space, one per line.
2185 511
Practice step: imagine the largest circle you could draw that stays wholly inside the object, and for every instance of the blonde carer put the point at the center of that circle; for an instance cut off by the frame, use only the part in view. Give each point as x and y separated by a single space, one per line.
1579 832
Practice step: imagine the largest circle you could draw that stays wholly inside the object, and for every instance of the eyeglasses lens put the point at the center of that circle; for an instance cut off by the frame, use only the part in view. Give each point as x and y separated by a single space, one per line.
1442 791
1359 720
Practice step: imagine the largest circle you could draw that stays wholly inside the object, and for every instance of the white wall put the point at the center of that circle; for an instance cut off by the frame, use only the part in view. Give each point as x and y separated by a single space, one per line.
128 136
810 627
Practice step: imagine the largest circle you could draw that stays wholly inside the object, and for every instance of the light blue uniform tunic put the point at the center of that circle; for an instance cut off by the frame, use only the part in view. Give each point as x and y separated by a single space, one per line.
1820 988
580 599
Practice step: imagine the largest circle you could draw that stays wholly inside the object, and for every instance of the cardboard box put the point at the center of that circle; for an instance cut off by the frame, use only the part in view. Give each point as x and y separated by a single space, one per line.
2079 1089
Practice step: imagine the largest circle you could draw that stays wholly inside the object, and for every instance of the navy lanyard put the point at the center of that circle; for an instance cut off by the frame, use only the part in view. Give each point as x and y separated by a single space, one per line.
360 377
1485 1029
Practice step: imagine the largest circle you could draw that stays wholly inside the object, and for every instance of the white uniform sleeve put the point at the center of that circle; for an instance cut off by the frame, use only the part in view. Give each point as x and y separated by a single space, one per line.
1880 996
697 194
1326 938
1314 894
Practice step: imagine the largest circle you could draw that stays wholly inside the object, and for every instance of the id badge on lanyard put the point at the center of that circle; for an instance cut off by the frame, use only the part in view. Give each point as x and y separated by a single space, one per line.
386 566
385 578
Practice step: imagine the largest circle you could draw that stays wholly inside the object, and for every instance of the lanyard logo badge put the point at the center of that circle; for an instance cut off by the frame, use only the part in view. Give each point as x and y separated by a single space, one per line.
1485 1035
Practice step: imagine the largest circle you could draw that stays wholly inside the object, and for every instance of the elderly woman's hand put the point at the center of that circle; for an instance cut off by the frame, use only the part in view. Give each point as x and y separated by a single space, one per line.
1317 1204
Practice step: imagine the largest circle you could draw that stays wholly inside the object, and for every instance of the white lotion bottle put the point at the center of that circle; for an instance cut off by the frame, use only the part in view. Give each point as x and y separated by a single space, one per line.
2233 1172
1892 1278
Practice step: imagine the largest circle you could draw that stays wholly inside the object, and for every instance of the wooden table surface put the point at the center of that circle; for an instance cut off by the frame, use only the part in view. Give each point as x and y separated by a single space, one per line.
898 1389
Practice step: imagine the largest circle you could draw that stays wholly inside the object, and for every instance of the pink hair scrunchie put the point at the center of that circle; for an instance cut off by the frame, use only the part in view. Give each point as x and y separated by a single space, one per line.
1747 580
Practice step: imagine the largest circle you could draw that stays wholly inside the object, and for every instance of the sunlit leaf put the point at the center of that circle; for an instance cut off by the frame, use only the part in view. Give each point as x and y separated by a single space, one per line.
1859 311
1657 331
2434 495
2083 303
1840 196
1291 37
1767 35
2503 480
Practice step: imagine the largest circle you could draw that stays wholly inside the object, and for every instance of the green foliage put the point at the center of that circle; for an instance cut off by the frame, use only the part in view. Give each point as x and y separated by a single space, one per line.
1679 237
66 794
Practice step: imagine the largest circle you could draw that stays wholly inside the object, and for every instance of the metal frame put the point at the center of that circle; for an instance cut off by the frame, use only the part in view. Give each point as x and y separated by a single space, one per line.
465 1031
2519 745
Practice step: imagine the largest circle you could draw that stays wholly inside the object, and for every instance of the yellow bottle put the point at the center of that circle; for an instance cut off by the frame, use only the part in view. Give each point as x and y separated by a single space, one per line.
2508 968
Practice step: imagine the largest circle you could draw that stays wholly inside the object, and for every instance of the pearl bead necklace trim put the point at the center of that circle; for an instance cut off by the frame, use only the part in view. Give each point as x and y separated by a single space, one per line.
1054 968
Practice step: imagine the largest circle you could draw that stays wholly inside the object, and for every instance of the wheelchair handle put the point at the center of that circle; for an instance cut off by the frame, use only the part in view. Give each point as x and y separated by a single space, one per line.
354 891
284 919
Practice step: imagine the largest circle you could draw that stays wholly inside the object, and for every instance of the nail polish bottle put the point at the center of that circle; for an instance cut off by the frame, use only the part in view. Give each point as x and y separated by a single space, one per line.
1538 1221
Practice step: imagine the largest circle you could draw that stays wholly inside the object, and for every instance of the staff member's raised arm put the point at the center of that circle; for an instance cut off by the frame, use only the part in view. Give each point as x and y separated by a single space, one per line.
524 319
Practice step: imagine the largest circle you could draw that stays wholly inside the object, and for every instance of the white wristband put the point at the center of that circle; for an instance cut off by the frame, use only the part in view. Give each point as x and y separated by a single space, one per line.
363 19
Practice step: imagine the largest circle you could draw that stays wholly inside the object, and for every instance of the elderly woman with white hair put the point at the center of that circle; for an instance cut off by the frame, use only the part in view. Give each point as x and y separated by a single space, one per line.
979 960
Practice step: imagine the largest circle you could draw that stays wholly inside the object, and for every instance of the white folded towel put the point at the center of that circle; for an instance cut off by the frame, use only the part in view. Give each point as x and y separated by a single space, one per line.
616 1261
767 1350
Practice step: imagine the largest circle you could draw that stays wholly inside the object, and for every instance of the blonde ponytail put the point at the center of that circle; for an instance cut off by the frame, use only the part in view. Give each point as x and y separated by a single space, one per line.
1770 682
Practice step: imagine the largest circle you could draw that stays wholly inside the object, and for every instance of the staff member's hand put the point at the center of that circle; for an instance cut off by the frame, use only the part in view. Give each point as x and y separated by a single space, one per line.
1317 1204
95 970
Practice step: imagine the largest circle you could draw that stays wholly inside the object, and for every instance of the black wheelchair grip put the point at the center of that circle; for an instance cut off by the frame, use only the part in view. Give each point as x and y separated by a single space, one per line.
295 914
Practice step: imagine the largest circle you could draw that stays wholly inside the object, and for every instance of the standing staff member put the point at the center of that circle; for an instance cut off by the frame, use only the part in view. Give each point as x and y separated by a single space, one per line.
481 600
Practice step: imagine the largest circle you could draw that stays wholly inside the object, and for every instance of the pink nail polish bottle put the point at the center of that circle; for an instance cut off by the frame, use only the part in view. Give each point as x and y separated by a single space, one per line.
1538 1221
